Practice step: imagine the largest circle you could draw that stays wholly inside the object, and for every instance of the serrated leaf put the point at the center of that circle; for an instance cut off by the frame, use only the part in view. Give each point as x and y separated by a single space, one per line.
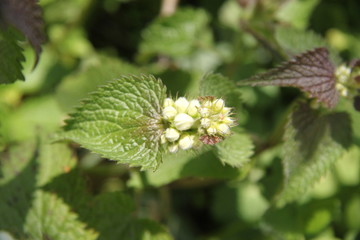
42 196
175 35
25 209
26 16
235 150
95 72
112 215
312 72
17 183
221 87
295 41
313 142
51 218
11 57
122 121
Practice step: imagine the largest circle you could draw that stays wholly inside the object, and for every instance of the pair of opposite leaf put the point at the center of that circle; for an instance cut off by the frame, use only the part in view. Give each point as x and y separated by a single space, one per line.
130 119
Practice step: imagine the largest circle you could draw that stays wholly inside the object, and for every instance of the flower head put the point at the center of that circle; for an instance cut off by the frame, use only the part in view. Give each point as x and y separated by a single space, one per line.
191 123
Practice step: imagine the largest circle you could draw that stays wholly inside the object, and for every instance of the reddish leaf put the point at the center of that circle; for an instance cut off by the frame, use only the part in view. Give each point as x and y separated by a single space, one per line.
311 71
26 16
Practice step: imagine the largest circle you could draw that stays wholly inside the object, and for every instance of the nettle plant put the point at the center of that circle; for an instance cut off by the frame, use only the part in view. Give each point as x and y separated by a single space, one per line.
133 121
129 116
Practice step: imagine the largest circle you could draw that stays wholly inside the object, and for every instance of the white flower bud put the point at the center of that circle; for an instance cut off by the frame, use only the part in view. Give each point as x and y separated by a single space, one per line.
204 112
218 105
223 129
168 102
169 112
186 142
181 104
212 130
342 74
207 104
183 122
172 134
228 121
193 107
205 122
173 148
226 110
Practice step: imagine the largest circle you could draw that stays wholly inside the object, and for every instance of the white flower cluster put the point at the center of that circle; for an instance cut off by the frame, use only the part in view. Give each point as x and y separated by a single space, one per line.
342 74
189 122
345 81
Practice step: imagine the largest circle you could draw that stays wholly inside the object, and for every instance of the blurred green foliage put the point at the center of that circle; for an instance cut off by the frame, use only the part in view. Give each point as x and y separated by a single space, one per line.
60 191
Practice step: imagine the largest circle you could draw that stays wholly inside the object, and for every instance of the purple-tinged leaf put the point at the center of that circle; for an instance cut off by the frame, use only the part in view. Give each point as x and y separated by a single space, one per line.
26 16
312 72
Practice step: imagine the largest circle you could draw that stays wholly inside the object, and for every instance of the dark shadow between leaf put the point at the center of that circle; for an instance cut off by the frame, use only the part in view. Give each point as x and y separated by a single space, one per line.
16 196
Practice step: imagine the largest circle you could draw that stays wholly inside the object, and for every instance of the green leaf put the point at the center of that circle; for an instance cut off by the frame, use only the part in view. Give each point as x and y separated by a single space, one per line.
31 116
26 210
94 72
297 12
235 150
221 87
26 16
294 221
189 164
241 200
11 57
17 183
349 176
295 41
175 35
122 121
351 210
51 218
313 142
312 72
112 214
